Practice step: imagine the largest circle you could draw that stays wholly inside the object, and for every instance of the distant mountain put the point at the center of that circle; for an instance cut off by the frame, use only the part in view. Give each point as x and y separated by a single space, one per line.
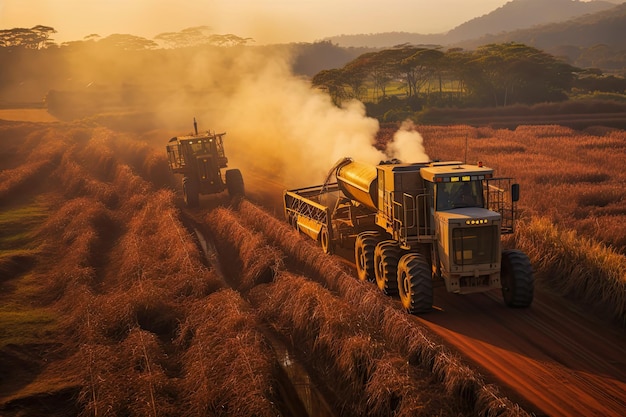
597 40
522 14
607 27
385 40
516 14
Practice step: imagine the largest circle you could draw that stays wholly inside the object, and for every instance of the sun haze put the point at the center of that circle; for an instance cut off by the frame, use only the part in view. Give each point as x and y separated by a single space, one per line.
275 21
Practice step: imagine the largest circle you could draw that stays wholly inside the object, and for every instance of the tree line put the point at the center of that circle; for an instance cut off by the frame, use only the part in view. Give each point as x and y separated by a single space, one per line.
492 75
40 37
405 76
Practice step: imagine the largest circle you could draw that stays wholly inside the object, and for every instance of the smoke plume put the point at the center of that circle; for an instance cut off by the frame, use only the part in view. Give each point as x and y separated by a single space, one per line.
407 144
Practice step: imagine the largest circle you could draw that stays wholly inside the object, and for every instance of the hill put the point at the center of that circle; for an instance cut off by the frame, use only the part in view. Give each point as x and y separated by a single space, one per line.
522 14
516 14
595 40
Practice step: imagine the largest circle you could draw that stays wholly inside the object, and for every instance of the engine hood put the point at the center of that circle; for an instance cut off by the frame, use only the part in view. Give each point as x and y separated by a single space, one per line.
469 213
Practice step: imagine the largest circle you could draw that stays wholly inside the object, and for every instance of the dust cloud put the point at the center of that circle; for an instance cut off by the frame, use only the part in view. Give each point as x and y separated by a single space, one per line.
279 128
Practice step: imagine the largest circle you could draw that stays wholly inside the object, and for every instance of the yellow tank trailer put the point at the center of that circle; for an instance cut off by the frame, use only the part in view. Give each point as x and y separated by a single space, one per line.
413 223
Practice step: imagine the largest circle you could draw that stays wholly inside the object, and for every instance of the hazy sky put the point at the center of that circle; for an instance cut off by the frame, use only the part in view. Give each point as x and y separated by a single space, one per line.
266 21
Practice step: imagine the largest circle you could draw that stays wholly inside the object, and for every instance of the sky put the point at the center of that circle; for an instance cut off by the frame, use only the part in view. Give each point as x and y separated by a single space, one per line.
265 21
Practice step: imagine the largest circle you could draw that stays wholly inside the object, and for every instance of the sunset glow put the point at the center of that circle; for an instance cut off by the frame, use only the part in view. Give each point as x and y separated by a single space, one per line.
264 21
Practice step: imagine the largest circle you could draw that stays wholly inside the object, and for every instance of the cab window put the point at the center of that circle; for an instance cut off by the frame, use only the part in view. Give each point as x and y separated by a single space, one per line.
451 195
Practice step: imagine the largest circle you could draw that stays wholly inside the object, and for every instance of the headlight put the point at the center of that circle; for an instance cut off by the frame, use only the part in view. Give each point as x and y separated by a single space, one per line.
476 221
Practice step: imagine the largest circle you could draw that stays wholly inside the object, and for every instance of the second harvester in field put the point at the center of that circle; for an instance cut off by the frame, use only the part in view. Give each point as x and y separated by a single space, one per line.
415 223
200 158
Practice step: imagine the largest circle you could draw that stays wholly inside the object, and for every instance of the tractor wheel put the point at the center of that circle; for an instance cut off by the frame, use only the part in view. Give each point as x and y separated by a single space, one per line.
234 183
364 248
386 258
191 192
327 245
517 279
415 284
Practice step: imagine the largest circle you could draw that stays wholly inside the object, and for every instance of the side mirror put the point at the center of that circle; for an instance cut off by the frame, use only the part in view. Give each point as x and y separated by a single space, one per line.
515 192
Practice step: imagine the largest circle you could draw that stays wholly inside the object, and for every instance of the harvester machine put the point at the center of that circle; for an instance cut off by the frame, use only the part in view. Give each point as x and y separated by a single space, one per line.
414 224
200 158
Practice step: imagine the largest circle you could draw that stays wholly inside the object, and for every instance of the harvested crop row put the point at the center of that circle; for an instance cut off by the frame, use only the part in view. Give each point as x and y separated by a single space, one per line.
252 260
228 365
345 354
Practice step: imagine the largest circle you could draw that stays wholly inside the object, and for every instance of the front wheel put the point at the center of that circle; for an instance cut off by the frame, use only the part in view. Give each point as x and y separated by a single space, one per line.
415 284
517 279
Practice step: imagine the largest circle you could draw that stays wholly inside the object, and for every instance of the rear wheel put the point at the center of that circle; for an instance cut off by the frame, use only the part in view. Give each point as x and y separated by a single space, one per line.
364 248
234 183
191 192
386 258
415 284
517 279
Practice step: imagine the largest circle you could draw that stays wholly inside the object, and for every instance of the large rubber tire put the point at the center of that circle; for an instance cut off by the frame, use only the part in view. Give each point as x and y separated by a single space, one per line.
386 258
518 283
191 192
364 248
415 283
234 183
327 245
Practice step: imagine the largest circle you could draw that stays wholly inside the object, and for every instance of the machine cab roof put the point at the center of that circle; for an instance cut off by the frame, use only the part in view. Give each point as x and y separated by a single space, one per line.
455 172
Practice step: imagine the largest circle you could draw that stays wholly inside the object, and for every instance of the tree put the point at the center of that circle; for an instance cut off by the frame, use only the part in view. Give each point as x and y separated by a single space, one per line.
382 70
199 35
451 69
510 73
354 75
420 67
37 37
127 42
332 81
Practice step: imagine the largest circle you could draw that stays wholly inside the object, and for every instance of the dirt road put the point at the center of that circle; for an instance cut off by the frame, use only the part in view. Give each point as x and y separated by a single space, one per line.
554 357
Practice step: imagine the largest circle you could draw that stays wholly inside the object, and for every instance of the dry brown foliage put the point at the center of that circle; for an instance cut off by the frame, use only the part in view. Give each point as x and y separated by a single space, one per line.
115 262
228 366
259 261
302 252
126 378
14 181
571 177
73 237
315 321
346 351
393 389
576 266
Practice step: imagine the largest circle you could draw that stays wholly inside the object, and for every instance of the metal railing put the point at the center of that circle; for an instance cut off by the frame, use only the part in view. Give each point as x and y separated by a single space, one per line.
499 199
412 219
